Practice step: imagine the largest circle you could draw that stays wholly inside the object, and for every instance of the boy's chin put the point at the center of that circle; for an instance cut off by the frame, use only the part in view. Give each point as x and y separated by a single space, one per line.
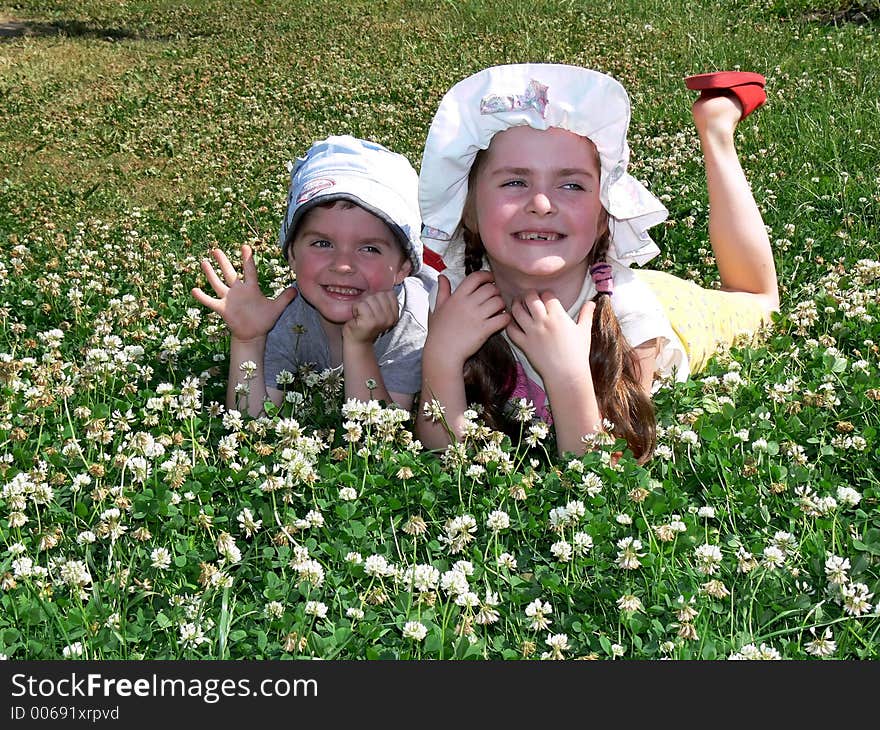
337 315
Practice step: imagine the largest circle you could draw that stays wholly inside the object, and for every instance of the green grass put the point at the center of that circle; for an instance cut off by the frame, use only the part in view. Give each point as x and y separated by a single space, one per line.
135 136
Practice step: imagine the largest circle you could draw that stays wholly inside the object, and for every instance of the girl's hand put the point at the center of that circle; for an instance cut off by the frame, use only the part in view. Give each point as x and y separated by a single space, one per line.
243 306
372 316
555 344
464 319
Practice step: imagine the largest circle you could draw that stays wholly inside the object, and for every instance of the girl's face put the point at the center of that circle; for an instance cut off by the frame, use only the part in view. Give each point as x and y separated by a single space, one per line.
537 209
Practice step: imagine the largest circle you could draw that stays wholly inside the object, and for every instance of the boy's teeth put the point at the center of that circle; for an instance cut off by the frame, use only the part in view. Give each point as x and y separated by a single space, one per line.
342 290
539 236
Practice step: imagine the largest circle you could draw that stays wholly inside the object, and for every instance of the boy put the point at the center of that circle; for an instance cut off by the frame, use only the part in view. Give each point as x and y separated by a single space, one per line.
351 234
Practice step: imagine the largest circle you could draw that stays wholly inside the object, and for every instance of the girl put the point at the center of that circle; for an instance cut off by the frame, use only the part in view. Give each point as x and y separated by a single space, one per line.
523 190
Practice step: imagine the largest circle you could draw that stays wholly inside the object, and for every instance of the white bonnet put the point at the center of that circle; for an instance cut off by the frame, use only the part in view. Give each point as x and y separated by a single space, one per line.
540 95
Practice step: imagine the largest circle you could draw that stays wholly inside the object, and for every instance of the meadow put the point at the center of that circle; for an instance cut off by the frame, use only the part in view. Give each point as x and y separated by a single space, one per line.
139 519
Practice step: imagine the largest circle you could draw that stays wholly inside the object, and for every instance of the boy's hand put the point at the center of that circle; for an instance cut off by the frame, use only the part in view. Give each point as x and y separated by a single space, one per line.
555 344
464 319
243 306
372 316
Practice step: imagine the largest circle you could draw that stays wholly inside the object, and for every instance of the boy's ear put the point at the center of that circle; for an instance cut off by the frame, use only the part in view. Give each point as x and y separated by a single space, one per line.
403 271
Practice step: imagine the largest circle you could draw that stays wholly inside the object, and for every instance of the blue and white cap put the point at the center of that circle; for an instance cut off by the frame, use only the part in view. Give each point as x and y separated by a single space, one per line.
363 172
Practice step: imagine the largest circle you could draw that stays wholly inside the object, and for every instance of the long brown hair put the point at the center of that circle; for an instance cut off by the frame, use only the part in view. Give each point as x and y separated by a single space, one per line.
490 374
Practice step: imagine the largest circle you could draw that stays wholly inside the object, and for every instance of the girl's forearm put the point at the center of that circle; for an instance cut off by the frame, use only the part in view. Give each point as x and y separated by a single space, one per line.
575 413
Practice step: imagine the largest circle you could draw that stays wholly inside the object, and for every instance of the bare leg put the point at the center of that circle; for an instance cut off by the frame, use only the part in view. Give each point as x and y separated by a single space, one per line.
736 228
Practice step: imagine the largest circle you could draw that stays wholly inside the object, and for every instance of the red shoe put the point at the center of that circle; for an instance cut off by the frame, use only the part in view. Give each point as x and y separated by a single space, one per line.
433 259
748 87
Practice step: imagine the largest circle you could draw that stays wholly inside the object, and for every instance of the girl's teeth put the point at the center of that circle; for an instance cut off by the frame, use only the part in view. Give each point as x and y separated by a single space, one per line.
340 290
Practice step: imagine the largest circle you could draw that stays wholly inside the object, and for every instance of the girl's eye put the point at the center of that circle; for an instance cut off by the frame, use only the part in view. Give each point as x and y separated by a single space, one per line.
371 249
321 243
573 186
513 184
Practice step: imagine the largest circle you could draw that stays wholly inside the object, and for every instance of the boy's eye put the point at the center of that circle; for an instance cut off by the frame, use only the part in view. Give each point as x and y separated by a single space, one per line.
371 249
573 186
321 243
513 184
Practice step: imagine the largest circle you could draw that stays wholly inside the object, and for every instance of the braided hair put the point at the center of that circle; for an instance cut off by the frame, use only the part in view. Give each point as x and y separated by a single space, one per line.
490 373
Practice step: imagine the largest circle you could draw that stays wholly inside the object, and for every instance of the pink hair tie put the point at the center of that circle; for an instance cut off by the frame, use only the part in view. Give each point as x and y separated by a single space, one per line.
602 278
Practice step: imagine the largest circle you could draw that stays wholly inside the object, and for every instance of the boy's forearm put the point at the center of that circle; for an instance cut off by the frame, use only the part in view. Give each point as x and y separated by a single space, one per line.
360 365
253 382
446 386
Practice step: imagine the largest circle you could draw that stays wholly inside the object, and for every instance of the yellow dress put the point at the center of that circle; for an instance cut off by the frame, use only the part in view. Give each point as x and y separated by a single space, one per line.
703 318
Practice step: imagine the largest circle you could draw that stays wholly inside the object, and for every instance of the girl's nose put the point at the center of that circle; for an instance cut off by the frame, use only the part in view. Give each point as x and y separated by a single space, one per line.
541 203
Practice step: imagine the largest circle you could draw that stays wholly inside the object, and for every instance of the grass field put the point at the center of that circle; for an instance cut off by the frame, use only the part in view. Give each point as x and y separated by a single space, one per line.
139 520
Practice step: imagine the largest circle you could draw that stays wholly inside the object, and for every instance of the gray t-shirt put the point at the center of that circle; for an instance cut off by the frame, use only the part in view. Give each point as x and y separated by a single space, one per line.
298 339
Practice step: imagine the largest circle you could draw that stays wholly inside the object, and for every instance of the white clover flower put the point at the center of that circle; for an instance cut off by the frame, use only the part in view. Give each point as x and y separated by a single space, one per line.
191 635
623 519
773 557
274 609
628 553
558 643
848 496
316 608
422 577
75 649
348 494
160 558
454 582
708 558
562 551
464 566
630 603
498 520
538 612
706 512
856 599
506 560
247 522
377 566
582 543
227 548
354 613
821 646
415 630
591 483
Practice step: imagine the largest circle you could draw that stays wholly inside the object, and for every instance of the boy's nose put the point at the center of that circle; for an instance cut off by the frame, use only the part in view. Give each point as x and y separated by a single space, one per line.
342 262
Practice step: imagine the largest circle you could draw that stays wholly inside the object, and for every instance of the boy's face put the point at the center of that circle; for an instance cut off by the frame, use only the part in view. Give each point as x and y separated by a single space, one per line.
341 254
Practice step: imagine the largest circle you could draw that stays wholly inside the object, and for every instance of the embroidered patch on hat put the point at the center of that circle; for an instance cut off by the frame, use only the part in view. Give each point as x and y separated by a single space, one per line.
430 232
535 97
313 187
